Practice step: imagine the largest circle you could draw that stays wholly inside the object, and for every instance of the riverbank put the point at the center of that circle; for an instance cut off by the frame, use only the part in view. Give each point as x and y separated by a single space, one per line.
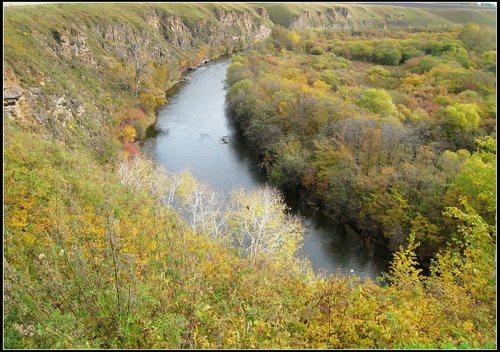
188 133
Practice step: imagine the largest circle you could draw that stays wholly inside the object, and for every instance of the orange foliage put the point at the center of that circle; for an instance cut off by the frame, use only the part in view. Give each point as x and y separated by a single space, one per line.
131 148
130 114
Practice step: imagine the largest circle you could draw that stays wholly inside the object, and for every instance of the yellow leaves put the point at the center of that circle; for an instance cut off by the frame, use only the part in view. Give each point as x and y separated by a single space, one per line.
151 245
468 326
294 38
322 86
414 80
186 186
282 106
404 273
306 89
17 220
128 134
150 102
183 63
296 76
28 239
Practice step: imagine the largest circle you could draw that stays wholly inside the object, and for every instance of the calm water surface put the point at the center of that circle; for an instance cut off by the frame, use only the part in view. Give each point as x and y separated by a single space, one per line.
189 131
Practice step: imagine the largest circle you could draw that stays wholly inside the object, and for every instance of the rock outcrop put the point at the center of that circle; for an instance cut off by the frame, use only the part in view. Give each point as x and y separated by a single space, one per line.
72 44
168 35
335 18
13 96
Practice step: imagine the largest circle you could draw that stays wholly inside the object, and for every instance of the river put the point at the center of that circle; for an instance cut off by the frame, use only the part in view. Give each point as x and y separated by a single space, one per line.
188 132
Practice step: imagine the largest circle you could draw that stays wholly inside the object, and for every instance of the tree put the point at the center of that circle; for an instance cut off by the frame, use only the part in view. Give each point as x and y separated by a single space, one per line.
377 72
461 117
290 164
128 134
259 223
397 143
451 162
387 54
377 101
463 279
241 99
477 179
336 175
137 60
424 64
294 40
360 51
477 38
451 76
403 273
201 205
331 78
489 60
237 72
204 209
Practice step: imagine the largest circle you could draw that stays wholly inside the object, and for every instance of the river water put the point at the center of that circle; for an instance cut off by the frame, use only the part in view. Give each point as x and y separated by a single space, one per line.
188 132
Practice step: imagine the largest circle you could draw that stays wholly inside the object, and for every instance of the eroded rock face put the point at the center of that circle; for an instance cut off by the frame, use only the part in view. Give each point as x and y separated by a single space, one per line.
73 44
335 18
175 31
344 12
263 13
170 34
230 27
65 110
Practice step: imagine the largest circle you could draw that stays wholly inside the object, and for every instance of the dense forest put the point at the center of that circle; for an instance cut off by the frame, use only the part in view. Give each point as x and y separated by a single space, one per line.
385 129
385 117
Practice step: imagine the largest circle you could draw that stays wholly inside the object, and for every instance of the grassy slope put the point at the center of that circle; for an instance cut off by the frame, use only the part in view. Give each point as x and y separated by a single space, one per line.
285 13
59 199
484 17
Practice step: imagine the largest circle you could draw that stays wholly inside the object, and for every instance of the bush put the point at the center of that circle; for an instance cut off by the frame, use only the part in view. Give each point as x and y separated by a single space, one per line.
317 51
150 102
376 100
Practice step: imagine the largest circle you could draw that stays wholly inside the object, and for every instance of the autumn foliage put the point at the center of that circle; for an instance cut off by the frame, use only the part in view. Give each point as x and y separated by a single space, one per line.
366 141
391 131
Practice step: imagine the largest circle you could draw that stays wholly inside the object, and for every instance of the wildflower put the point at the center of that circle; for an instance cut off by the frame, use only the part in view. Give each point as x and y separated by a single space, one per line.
41 256
28 330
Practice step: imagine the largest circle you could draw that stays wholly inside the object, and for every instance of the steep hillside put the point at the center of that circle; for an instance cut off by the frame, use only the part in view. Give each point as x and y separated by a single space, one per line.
76 64
362 16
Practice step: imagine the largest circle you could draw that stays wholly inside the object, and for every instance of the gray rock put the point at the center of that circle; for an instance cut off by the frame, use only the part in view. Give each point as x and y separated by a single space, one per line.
12 92
34 90
41 118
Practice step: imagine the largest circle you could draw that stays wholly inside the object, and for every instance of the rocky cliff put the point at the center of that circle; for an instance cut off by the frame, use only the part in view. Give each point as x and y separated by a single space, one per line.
335 17
67 67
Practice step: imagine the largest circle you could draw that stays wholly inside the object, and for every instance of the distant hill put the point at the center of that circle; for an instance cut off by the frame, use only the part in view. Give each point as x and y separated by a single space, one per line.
378 14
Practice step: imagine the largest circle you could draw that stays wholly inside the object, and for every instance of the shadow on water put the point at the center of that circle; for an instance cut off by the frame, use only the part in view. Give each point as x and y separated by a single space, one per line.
242 149
328 239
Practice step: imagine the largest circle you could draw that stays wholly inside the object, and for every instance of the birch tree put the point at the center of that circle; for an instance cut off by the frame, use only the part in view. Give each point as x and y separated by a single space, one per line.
259 224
